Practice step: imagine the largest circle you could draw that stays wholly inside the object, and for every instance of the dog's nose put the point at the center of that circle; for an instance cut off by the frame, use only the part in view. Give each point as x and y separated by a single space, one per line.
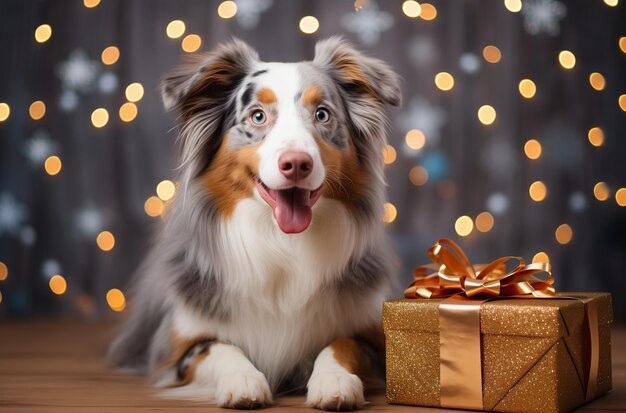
295 165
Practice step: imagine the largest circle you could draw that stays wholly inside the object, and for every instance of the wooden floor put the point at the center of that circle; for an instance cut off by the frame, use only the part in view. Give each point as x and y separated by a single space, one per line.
53 366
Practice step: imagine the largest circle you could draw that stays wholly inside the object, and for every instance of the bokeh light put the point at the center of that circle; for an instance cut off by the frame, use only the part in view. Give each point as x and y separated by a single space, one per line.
428 11
492 54
227 9
486 114
484 222
411 8
601 191
444 81
105 241
596 80
596 136
153 206
53 165
563 234
43 33
415 139
110 55
390 212
57 284
611 3
128 112
622 44
464 226
446 189
418 175
37 110
567 59
513 6
527 88
191 43
116 300
389 154
532 149
134 92
538 191
90 4
620 197
622 102
541 257
166 190
4 271
99 117
5 111
309 24
175 29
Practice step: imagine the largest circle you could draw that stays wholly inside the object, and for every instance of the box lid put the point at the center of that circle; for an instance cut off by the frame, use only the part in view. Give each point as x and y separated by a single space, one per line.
511 316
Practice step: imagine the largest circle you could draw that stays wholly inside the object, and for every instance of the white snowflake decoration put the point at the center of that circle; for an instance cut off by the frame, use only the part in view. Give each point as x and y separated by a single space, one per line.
421 115
12 214
543 16
68 100
78 72
249 12
108 82
50 268
577 201
497 203
422 51
90 221
499 158
39 147
368 24
28 236
469 63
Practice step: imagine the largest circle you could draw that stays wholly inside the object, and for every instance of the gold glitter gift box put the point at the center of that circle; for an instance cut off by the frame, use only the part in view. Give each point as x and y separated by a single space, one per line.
533 352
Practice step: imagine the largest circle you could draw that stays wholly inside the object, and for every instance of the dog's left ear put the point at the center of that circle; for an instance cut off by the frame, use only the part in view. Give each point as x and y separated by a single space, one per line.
357 73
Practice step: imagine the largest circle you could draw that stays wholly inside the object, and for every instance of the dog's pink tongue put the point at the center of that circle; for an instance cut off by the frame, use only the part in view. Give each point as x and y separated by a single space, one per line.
293 211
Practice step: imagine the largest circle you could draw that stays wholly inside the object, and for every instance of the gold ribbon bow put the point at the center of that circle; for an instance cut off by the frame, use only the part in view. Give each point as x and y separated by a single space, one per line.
455 275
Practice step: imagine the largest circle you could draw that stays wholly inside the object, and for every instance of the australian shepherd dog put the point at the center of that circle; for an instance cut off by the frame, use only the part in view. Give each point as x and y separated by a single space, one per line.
269 273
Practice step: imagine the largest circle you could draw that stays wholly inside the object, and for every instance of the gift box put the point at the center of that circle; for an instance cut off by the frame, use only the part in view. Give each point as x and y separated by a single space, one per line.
455 345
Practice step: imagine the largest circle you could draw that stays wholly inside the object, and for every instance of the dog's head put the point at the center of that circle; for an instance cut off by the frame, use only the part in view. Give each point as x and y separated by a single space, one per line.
284 134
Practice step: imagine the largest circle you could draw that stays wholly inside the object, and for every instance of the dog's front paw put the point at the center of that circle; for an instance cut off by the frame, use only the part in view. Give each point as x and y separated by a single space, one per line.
335 391
243 391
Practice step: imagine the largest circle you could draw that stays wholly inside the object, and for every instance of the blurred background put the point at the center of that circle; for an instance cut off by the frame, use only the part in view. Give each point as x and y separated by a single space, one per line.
510 140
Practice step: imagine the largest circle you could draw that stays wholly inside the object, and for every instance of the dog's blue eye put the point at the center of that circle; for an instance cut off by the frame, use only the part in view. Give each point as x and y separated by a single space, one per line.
258 117
322 115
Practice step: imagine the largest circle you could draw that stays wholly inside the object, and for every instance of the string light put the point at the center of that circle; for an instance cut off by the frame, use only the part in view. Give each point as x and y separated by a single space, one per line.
541 257
538 191
411 8
611 3
484 222
464 226
444 81
116 300
415 139
227 9
527 88
4 271
309 24
110 55
53 165
492 54
418 175
128 112
532 149
486 114
601 191
390 212
153 206
389 154
37 110
90 4
596 80
622 44
175 29
99 117
57 284
564 234
105 241
513 6
5 111
166 190
134 92
567 59
191 43
428 11
596 136
43 33
620 197
622 102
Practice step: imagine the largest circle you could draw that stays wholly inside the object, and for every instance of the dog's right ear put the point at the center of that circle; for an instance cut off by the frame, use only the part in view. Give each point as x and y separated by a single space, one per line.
215 74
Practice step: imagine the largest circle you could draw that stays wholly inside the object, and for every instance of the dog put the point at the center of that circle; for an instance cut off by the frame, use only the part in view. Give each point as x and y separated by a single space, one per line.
270 270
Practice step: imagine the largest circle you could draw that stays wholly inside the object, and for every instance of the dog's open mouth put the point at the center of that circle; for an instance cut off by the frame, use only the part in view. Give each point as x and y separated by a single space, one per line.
291 206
